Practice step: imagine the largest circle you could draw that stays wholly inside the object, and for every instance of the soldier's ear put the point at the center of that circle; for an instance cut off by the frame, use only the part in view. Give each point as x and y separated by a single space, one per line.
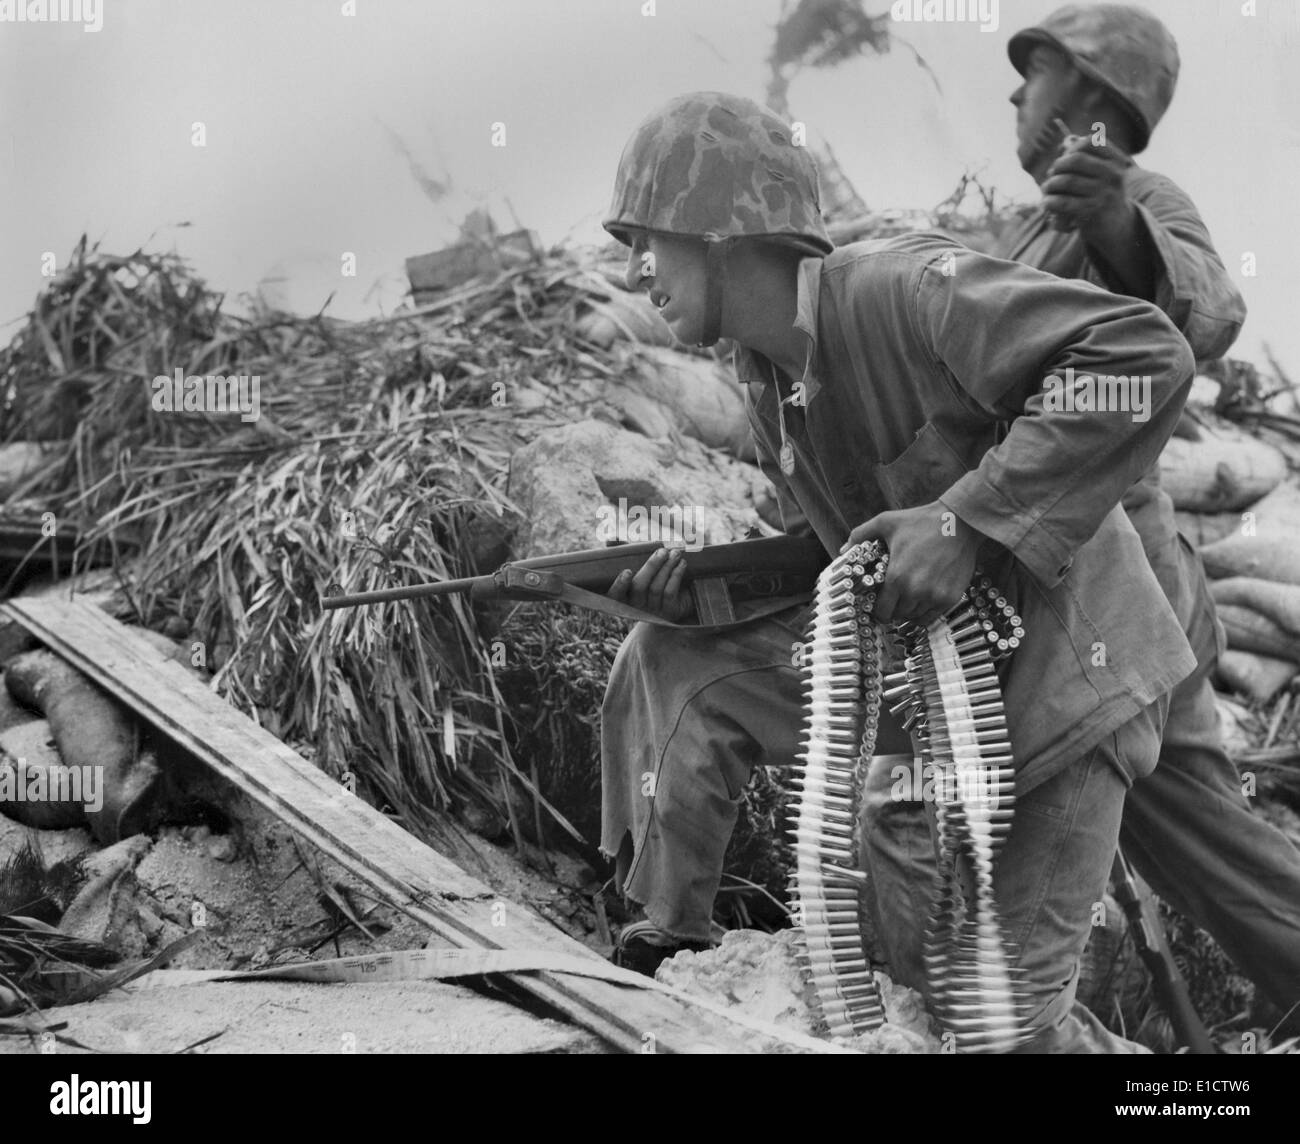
1099 106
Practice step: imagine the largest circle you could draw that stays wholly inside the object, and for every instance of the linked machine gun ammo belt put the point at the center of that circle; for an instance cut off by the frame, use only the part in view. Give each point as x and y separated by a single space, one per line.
950 700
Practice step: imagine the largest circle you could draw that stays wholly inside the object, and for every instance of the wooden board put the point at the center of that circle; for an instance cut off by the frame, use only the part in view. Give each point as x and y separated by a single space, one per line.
453 265
404 871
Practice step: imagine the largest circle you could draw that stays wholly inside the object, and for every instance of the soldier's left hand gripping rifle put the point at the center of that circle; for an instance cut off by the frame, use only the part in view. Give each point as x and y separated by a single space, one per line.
766 574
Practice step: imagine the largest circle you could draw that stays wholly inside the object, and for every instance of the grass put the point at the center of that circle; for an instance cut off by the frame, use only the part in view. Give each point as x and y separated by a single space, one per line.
380 459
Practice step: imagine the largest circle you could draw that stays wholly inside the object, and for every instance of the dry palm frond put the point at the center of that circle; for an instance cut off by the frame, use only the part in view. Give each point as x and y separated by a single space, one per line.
37 961
24 884
379 459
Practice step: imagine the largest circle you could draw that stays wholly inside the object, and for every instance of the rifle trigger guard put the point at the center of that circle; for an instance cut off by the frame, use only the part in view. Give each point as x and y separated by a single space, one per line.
528 583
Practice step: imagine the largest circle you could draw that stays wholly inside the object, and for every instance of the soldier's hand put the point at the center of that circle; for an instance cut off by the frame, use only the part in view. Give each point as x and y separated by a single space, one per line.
1086 185
657 587
931 561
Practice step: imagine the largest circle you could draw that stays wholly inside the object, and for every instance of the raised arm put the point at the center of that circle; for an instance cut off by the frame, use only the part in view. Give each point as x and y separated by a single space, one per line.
1021 343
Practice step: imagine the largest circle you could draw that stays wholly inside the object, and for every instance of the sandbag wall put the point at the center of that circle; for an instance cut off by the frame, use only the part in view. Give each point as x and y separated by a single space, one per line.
1238 502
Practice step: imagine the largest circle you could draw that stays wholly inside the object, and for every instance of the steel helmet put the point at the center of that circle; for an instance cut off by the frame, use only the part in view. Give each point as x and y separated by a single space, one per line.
1125 49
716 167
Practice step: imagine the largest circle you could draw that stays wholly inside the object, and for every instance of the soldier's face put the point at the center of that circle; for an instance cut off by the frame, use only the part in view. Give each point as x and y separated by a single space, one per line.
673 270
1051 90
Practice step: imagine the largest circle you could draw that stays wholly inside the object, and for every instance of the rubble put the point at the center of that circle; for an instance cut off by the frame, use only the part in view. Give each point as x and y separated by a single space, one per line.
758 972
565 479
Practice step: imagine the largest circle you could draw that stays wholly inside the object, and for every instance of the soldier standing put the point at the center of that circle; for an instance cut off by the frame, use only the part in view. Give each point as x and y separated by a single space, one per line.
1108 72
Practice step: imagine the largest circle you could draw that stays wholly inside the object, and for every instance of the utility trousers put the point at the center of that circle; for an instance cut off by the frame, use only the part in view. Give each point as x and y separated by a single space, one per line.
688 714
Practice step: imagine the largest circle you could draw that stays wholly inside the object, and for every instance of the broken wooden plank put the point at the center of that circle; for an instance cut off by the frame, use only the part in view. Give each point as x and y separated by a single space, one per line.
403 870
430 274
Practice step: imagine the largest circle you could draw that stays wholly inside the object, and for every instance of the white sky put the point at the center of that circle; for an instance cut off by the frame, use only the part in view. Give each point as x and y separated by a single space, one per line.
299 101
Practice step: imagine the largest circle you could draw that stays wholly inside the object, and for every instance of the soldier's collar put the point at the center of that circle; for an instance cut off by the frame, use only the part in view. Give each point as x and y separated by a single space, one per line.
805 320
808 282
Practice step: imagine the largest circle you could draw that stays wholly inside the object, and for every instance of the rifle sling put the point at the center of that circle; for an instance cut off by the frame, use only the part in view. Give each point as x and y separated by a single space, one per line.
597 603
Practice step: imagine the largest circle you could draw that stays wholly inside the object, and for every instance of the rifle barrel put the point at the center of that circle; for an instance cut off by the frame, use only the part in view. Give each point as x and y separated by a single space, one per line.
410 592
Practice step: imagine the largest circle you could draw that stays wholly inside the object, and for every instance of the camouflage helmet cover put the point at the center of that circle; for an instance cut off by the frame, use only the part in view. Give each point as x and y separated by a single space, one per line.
716 166
1123 48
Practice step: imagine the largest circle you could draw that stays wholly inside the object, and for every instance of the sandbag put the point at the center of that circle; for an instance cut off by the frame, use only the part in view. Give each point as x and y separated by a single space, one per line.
1270 554
1235 725
1219 474
90 730
1279 511
1203 528
27 747
1279 602
661 392
1249 631
1259 677
628 316
1277 514
105 906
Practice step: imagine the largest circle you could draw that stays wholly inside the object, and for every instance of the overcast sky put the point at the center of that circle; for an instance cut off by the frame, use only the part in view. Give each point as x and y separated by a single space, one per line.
308 112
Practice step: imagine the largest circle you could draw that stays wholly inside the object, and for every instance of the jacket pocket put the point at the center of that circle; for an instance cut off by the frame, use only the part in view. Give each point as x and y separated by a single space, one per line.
922 472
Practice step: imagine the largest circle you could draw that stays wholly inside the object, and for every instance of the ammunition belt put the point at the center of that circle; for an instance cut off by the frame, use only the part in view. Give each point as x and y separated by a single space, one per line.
949 698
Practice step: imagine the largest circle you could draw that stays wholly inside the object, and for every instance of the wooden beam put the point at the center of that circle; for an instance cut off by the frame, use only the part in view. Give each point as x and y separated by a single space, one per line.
402 870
